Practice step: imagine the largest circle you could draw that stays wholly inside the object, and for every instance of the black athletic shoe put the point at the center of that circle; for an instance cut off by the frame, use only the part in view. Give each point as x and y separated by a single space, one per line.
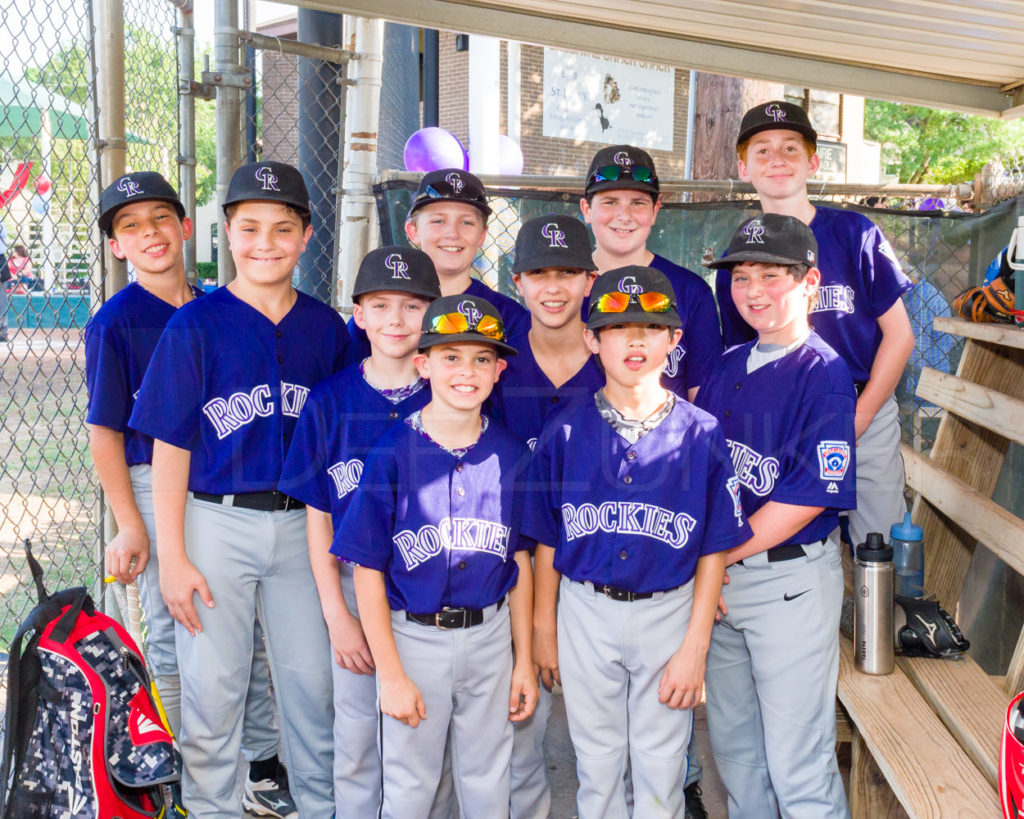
694 804
269 797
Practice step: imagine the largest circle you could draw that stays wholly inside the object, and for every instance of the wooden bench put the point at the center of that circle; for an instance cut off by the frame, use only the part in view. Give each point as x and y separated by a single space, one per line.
925 739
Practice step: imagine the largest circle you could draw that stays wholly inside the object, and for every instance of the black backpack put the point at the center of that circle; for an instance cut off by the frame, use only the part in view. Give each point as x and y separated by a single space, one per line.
84 737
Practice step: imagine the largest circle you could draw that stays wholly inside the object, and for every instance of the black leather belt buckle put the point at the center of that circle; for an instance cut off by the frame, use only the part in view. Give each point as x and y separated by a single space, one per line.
622 595
448 619
788 551
258 501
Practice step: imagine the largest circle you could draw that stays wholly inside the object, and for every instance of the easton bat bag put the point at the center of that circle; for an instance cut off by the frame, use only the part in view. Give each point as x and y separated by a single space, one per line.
84 737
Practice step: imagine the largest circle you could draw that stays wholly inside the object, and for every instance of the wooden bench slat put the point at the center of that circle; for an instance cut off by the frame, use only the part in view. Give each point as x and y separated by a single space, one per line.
988 408
1001 334
968 701
929 772
983 519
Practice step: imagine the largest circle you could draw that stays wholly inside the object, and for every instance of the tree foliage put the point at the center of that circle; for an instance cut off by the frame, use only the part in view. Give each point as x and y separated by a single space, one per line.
930 146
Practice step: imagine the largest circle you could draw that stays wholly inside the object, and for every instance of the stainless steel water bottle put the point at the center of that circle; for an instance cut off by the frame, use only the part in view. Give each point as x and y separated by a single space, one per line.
872 618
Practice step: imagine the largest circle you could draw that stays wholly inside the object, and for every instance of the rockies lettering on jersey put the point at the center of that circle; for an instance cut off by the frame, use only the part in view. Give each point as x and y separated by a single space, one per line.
624 517
462 534
346 475
241 408
753 470
675 359
834 297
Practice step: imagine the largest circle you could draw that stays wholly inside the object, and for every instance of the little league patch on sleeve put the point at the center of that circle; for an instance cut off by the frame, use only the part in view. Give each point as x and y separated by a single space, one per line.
733 485
833 460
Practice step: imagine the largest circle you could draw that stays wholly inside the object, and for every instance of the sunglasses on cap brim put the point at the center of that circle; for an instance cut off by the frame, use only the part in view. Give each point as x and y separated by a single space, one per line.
618 302
430 192
613 173
448 324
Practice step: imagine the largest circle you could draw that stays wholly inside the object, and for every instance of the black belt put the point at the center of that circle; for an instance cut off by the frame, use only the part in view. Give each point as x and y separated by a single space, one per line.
452 618
788 551
260 501
859 386
622 595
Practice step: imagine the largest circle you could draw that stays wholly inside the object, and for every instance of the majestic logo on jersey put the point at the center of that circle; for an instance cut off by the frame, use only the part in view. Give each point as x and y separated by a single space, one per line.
129 187
623 159
531 443
753 470
833 460
464 534
628 284
469 310
397 265
675 358
628 518
232 413
886 250
267 178
834 297
456 182
754 231
733 485
775 112
346 475
555 237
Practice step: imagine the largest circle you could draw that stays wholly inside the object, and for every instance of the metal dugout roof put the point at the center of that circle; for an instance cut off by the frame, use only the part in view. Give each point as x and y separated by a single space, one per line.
965 55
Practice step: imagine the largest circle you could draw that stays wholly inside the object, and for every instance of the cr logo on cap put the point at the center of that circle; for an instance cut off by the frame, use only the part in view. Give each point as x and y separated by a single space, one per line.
398 266
456 182
555 237
129 187
624 159
470 311
775 112
628 284
267 177
754 231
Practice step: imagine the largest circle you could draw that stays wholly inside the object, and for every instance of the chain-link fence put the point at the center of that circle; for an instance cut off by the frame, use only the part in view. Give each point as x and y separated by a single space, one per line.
48 168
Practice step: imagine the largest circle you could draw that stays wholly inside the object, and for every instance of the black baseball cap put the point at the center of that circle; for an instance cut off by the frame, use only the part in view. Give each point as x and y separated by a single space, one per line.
553 241
776 115
451 185
395 268
139 186
635 285
773 239
622 166
268 182
451 319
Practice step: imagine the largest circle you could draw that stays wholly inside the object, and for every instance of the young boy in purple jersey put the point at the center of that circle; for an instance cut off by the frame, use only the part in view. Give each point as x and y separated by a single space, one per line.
633 509
554 370
146 225
433 531
621 202
859 312
786 404
340 424
221 398
448 222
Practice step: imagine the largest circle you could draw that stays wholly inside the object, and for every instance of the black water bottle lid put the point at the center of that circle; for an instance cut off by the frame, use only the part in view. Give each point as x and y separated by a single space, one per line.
874 549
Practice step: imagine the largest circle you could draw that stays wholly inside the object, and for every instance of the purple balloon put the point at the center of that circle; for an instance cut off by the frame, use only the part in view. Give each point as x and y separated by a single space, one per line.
510 157
431 149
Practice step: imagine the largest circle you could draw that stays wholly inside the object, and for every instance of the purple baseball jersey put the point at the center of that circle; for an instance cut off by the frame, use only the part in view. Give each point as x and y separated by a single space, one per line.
789 427
513 315
338 428
692 358
860 280
228 384
524 397
635 516
119 342
442 528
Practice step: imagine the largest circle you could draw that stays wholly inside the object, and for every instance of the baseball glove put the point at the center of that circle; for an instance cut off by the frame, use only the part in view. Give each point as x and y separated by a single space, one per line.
992 302
925 629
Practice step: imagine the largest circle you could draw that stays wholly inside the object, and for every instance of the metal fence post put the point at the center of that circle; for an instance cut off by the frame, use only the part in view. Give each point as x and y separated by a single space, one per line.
229 110
187 123
363 104
111 127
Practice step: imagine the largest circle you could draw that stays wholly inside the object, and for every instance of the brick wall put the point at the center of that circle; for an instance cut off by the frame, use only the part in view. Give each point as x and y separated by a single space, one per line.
542 155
